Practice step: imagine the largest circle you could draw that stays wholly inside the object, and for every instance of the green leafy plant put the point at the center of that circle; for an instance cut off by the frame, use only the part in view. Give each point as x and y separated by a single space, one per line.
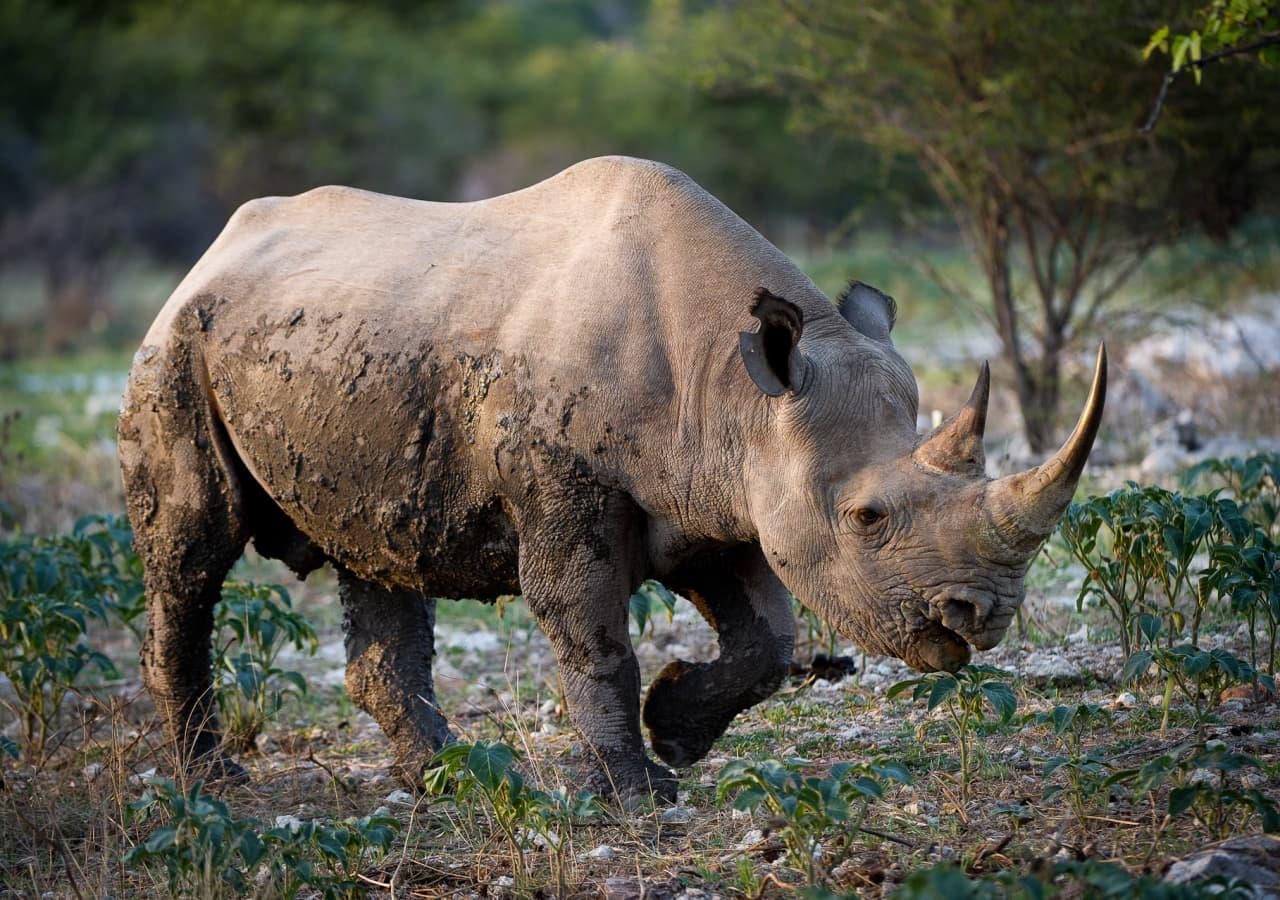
649 601
1090 878
525 815
809 807
51 588
1254 482
1198 777
207 852
1138 545
256 623
964 697
1085 770
1246 574
1199 675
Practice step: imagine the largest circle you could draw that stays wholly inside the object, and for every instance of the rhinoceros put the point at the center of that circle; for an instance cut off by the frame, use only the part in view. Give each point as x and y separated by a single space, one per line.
560 392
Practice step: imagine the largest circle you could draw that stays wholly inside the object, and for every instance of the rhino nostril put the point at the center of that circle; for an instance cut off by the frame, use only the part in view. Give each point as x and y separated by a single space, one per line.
963 615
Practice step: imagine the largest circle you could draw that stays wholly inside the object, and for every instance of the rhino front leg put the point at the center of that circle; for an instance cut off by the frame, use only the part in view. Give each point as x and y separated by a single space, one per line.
689 705
390 640
579 593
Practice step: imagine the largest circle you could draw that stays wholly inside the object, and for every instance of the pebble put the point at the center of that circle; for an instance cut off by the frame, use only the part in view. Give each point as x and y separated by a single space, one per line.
604 851
143 777
398 798
293 823
1126 700
751 838
92 771
677 815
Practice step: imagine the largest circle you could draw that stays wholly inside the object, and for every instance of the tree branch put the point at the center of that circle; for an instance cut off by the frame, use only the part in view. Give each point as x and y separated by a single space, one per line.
1267 40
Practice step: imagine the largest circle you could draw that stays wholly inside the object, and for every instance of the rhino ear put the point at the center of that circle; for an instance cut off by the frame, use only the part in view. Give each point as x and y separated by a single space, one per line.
772 354
870 311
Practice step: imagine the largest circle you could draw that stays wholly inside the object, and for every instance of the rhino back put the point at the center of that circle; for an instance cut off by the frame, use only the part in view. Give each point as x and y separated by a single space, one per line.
400 376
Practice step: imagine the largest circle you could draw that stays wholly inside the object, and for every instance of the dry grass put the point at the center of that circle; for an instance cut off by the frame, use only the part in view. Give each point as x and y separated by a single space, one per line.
64 828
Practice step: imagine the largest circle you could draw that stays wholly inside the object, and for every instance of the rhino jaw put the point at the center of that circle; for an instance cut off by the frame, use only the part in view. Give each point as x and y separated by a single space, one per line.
934 647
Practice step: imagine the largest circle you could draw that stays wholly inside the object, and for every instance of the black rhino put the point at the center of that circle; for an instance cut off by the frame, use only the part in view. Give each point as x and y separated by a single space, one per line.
560 392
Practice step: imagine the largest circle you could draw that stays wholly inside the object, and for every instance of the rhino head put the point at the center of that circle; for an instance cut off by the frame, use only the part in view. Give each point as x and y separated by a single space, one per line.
902 543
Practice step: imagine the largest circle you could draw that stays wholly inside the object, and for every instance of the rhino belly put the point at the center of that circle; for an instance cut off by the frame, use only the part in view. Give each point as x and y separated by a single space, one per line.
375 459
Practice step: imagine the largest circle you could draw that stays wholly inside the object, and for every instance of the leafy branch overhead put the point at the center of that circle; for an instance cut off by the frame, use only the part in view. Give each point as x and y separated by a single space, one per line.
1228 28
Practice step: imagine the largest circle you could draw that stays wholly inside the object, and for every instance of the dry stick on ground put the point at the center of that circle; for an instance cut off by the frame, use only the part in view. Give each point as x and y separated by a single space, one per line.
340 782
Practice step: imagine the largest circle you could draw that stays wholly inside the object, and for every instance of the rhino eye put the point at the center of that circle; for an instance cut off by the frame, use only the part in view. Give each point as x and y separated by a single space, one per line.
867 516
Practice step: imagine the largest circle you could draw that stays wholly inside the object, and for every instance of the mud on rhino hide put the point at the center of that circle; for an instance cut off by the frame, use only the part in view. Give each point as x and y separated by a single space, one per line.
560 392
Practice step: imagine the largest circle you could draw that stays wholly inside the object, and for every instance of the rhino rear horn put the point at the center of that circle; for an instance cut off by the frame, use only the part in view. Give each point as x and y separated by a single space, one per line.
956 444
772 354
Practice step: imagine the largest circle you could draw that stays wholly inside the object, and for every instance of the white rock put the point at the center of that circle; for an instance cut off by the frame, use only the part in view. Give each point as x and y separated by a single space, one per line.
852 733
1254 860
92 771
1126 700
677 815
504 881
604 851
751 838
549 709
1156 700
398 798
541 840
1080 635
470 641
293 823
144 777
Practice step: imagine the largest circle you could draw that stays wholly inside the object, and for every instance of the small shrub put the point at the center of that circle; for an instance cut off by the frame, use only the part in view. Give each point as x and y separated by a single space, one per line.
1138 545
649 601
50 589
208 852
1198 776
1253 481
1085 771
1199 675
257 622
964 698
526 816
1092 879
811 808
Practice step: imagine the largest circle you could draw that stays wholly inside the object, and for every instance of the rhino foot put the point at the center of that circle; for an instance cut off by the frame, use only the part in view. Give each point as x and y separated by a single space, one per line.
681 729
218 768
631 781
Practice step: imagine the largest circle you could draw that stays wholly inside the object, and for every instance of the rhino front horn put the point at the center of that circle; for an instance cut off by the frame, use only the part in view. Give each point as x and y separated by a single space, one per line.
956 444
1025 508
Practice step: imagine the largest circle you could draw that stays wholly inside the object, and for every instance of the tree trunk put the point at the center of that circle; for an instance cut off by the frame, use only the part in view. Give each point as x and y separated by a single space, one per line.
1038 401
1036 385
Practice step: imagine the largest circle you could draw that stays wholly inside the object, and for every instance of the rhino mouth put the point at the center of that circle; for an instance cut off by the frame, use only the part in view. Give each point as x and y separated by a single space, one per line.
934 647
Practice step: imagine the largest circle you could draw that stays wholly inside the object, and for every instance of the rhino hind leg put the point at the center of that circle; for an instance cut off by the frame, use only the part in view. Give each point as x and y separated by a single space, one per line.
390 641
182 483
689 705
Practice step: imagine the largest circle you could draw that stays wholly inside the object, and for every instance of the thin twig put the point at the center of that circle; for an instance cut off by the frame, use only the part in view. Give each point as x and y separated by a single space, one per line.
1266 40
884 835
